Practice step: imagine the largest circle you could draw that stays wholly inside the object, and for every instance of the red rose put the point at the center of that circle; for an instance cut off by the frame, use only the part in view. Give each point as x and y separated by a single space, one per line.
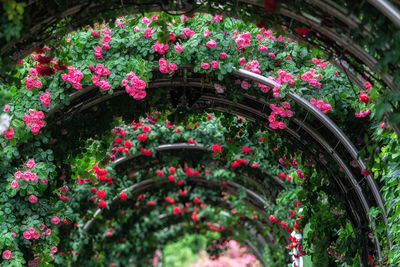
123 196
245 149
142 137
235 164
146 129
127 144
196 200
117 140
177 210
101 194
102 204
146 152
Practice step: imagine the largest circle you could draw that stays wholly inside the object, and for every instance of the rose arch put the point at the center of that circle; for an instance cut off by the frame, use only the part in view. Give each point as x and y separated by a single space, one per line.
108 152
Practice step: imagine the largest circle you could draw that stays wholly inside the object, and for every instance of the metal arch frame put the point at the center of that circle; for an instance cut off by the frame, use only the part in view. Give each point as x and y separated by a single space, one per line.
248 75
322 117
193 84
388 9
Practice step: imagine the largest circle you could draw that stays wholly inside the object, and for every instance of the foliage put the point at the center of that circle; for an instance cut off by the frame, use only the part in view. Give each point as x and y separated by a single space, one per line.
184 251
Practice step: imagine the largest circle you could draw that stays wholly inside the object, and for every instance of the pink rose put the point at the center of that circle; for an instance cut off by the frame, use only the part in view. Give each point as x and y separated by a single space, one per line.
9 133
107 38
241 60
172 66
219 88
45 99
37 84
206 33
98 55
53 249
262 48
30 164
14 184
214 64
18 175
177 47
105 46
222 55
36 235
205 66
211 44
188 32
6 107
33 199
55 220
35 128
7 254
245 85
27 235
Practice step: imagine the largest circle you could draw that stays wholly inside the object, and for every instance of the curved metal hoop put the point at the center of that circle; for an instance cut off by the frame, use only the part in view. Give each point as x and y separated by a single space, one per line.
307 106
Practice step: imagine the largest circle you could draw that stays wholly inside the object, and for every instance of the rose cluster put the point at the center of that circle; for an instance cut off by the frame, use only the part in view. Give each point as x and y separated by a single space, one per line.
32 80
164 66
135 86
104 45
311 77
283 112
100 70
160 48
321 105
73 77
243 39
34 120
45 99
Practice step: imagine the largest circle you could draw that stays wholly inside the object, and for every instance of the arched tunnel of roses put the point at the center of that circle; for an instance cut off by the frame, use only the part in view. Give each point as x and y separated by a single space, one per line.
308 158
